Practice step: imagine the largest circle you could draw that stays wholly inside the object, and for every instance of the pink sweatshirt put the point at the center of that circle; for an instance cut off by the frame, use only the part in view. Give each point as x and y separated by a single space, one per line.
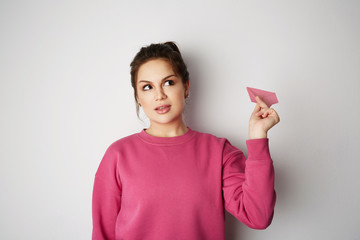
158 188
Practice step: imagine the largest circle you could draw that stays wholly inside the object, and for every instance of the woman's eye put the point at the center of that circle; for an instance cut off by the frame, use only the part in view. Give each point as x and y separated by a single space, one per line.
169 83
146 87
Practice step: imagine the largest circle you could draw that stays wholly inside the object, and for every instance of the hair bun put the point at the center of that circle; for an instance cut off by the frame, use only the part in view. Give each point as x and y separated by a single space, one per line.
173 46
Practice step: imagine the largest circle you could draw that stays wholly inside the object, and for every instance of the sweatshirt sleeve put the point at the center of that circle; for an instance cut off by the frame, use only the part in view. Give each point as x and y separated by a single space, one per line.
248 184
106 200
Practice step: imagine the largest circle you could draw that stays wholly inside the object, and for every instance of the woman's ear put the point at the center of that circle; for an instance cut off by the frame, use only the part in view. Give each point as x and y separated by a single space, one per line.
187 89
137 101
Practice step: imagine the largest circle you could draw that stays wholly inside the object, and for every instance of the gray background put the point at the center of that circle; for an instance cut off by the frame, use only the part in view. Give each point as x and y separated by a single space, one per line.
66 96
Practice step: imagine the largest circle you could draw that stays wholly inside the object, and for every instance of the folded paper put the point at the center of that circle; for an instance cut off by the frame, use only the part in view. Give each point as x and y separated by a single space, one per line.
268 97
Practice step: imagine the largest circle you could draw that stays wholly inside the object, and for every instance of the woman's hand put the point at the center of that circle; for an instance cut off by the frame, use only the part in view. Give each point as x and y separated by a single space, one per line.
262 119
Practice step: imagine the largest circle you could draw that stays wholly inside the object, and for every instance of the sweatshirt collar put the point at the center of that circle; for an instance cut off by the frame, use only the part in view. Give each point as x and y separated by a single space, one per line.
166 140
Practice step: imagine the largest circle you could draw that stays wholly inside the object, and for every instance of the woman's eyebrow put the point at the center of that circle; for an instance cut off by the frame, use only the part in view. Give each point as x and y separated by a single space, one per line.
146 81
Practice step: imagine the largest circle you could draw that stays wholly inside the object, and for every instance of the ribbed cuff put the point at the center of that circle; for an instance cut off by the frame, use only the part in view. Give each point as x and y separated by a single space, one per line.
258 149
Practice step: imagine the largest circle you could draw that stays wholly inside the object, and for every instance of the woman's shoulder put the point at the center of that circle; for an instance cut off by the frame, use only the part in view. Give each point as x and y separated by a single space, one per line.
123 142
214 138
212 141
208 136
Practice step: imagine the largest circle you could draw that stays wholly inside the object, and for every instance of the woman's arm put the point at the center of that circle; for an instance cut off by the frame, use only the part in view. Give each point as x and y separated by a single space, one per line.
248 184
106 201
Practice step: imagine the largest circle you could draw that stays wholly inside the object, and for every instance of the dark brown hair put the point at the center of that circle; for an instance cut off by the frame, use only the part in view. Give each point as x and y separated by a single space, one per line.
168 51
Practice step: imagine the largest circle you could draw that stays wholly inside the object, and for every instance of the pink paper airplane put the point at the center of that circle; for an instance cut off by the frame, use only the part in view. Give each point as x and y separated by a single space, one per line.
268 97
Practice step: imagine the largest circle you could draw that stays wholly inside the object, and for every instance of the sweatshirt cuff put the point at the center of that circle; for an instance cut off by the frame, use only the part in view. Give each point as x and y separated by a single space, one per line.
258 149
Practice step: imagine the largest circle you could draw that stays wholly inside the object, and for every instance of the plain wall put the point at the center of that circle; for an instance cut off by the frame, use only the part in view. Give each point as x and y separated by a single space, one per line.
65 96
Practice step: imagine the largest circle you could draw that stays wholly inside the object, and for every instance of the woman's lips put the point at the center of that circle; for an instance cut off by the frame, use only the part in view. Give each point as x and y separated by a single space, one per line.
163 109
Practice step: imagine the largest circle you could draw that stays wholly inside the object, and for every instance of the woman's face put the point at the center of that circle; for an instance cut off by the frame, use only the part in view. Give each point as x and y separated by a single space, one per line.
161 92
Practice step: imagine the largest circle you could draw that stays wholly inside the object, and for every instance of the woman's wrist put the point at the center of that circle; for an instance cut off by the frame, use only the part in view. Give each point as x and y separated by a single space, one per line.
256 135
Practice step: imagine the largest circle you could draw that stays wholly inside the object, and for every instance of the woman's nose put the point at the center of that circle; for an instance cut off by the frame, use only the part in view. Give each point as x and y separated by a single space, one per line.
160 94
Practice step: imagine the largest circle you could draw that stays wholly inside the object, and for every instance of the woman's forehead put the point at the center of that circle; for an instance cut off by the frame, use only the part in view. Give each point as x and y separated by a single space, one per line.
155 70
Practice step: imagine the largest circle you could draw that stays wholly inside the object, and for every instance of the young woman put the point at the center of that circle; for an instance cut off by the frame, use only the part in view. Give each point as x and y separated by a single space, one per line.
171 182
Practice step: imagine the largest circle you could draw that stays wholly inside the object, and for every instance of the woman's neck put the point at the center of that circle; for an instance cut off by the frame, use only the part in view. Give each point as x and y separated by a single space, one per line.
161 130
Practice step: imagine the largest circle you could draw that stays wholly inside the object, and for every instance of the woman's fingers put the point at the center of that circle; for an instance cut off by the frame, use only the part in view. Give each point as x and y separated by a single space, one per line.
272 113
267 112
259 113
261 103
262 110
256 109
